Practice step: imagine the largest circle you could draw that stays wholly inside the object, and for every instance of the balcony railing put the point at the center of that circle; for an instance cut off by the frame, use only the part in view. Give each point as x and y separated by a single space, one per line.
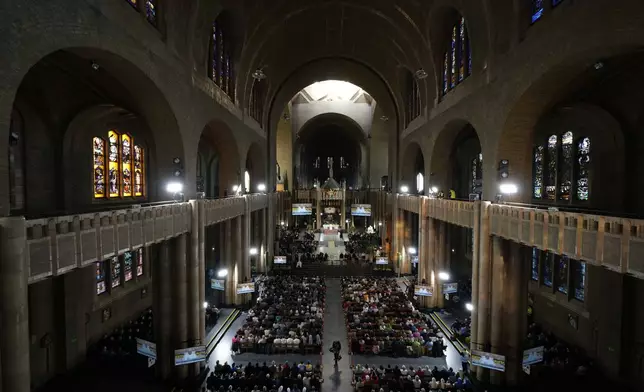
60 244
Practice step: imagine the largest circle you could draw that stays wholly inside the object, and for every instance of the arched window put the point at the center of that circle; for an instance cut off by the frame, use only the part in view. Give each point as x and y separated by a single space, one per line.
222 65
412 99
562 168
100 278
457 59
247 181
257 97
538 7
148 8
120 174
420 182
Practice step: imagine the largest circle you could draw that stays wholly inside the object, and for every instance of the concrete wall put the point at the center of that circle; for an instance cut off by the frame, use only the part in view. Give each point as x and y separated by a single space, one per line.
361 113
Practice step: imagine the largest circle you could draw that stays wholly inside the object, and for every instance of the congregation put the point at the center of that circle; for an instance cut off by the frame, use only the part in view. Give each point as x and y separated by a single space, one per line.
381 320
288 317
300 377
418 379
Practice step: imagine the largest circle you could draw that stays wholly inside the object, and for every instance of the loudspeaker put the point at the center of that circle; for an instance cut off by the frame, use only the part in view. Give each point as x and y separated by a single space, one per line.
504 169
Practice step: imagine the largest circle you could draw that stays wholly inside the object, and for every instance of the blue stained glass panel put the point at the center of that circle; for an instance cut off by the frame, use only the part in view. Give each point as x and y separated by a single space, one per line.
562 274
454 72
537 10
579 280
446 73
556 2
535 264
151 11
547 270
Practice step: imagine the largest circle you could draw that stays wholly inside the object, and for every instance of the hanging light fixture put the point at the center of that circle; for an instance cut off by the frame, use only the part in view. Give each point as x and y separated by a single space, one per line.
421 74
259 74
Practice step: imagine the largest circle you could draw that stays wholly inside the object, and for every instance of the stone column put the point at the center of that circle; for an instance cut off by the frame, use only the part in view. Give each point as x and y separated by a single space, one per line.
245 275
14 306
485 266
229 263
263 251
395 232
238 255
343 210
475 274
193 302
497 344
422 246
180 298
269 224
162 305
432 277
440 263
516 299
202 270
318 217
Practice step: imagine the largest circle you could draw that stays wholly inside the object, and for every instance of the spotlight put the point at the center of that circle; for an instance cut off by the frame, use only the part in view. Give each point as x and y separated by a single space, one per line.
434 189
346 221
222 273
443 276
469 306
508 189
235 188
404 189
412 251
95 66
379 223
174 187
261 187
205 305
282 223
252 251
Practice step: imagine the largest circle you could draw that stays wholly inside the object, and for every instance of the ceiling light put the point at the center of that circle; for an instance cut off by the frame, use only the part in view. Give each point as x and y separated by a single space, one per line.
259 74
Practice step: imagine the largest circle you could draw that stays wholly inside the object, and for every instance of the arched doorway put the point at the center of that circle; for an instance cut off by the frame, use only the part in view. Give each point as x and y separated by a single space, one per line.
413 169
218 167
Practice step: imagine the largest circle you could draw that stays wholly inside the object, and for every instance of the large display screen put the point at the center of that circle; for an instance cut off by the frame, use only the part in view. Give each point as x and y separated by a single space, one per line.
361 209
423 291
300 209
245 288
488 360
279 260
533 356
145 348
189 355
217 284
450 288
380 260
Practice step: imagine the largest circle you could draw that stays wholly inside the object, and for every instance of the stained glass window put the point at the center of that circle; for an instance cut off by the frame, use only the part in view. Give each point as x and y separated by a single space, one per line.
126 165
151 11
566 167
99 167
446 73
100 278
139 262
222 63
113 164
583 169
538 173
138 171
214 53
127 265
462 51
536 253
454 44
537 10
222 66
578 279
133 3
122 164
562 274
556 2
551 171
115 268
546 271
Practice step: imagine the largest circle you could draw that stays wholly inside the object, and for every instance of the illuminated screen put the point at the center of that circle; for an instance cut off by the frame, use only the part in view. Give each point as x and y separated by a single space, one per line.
301 209
279 260
145 348
488 360
189 355
450 288
382 260
533 356
217 284
423 291
361 209
245 288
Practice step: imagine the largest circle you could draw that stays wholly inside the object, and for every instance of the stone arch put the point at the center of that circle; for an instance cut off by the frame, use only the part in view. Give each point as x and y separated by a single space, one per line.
455 147
256 166
413 163
218 146
61 88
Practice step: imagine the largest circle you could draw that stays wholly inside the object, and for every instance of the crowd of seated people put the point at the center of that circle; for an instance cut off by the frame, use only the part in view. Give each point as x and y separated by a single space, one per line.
412 379
381 320
300 377
558 356
119 347
461 328
288 317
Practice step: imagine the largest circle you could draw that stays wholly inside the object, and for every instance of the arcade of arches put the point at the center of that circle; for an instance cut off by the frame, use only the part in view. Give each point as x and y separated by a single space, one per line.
165 167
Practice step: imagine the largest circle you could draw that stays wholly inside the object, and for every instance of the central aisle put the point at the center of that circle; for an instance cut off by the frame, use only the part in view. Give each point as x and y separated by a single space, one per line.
335 329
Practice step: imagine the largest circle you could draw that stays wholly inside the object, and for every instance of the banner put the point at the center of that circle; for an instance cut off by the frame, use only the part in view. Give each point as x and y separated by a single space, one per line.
301 209
380 260
279 260
245 288
361 209
189 355
450 288
145 348
217 284
488 360
533 356
423 291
